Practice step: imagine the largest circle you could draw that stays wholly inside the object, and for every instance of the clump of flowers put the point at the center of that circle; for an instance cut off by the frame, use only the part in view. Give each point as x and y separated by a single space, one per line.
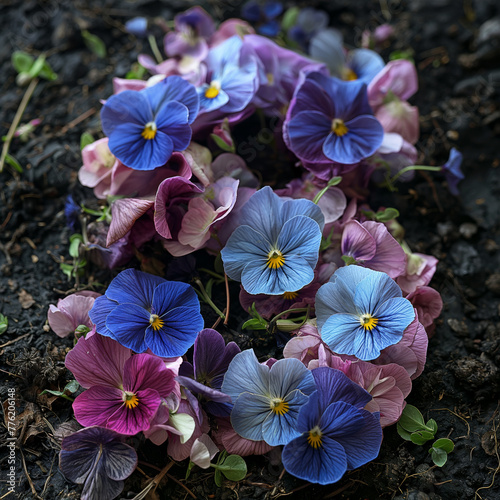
289 228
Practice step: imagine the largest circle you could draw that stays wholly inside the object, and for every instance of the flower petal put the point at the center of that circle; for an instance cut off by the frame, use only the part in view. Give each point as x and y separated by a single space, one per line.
128 323
248 415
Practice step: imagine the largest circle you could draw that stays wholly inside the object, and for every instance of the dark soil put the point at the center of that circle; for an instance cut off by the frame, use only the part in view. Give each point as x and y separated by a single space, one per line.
459 104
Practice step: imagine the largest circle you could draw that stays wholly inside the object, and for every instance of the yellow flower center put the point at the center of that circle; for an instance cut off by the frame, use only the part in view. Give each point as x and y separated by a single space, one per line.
314 437
149 131
275 259
368 322
349 75
338 127
270 79
213 90
130 400
156 322
290 295
279 407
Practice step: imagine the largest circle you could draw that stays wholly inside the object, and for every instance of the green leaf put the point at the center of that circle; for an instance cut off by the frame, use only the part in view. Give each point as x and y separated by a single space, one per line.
444 444
255 324
439 456
348 260
401 54
290 18
403 433
386 215
10 160
411 419
71 387
218 478
22 61
74 245
432 426
190 466
67 269
86 139
94 43
233 467
136 72
218 265
222 144
421 437
4 323
47 73
37 66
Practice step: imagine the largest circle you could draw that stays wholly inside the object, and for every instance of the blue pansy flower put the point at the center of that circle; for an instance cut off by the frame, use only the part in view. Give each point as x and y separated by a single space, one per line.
265 14
231 79
145 127
275 249
360 64
336 434
72 212
266 400
331 120
453 172
142 311
361 311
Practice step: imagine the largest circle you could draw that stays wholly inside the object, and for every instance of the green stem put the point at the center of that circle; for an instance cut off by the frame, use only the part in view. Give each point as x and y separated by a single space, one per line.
208 300
415 167
155 49
17 119
332 182
299 309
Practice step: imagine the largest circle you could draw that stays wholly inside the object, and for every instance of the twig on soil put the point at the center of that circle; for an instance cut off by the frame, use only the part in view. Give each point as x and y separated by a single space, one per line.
456 415
183 485
12 374
16 120
76 121
49 475
154 482
495 472
15 340
336 492
32 486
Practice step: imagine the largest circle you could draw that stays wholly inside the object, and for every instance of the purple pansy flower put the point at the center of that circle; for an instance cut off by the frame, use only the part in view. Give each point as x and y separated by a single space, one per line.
211 359
193 29
336 433
99 459
309 21
146 127
452 171
123 392
331 120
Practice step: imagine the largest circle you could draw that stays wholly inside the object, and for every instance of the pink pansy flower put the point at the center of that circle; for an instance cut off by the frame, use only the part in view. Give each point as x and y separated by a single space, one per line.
98 162
123 392
228 29
225 436
202 451
371 245
398 77
200 161
305 346
71 312
428 304
387 95
389 385
419 271
187 229
179 448
332 203
410 352
187 67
